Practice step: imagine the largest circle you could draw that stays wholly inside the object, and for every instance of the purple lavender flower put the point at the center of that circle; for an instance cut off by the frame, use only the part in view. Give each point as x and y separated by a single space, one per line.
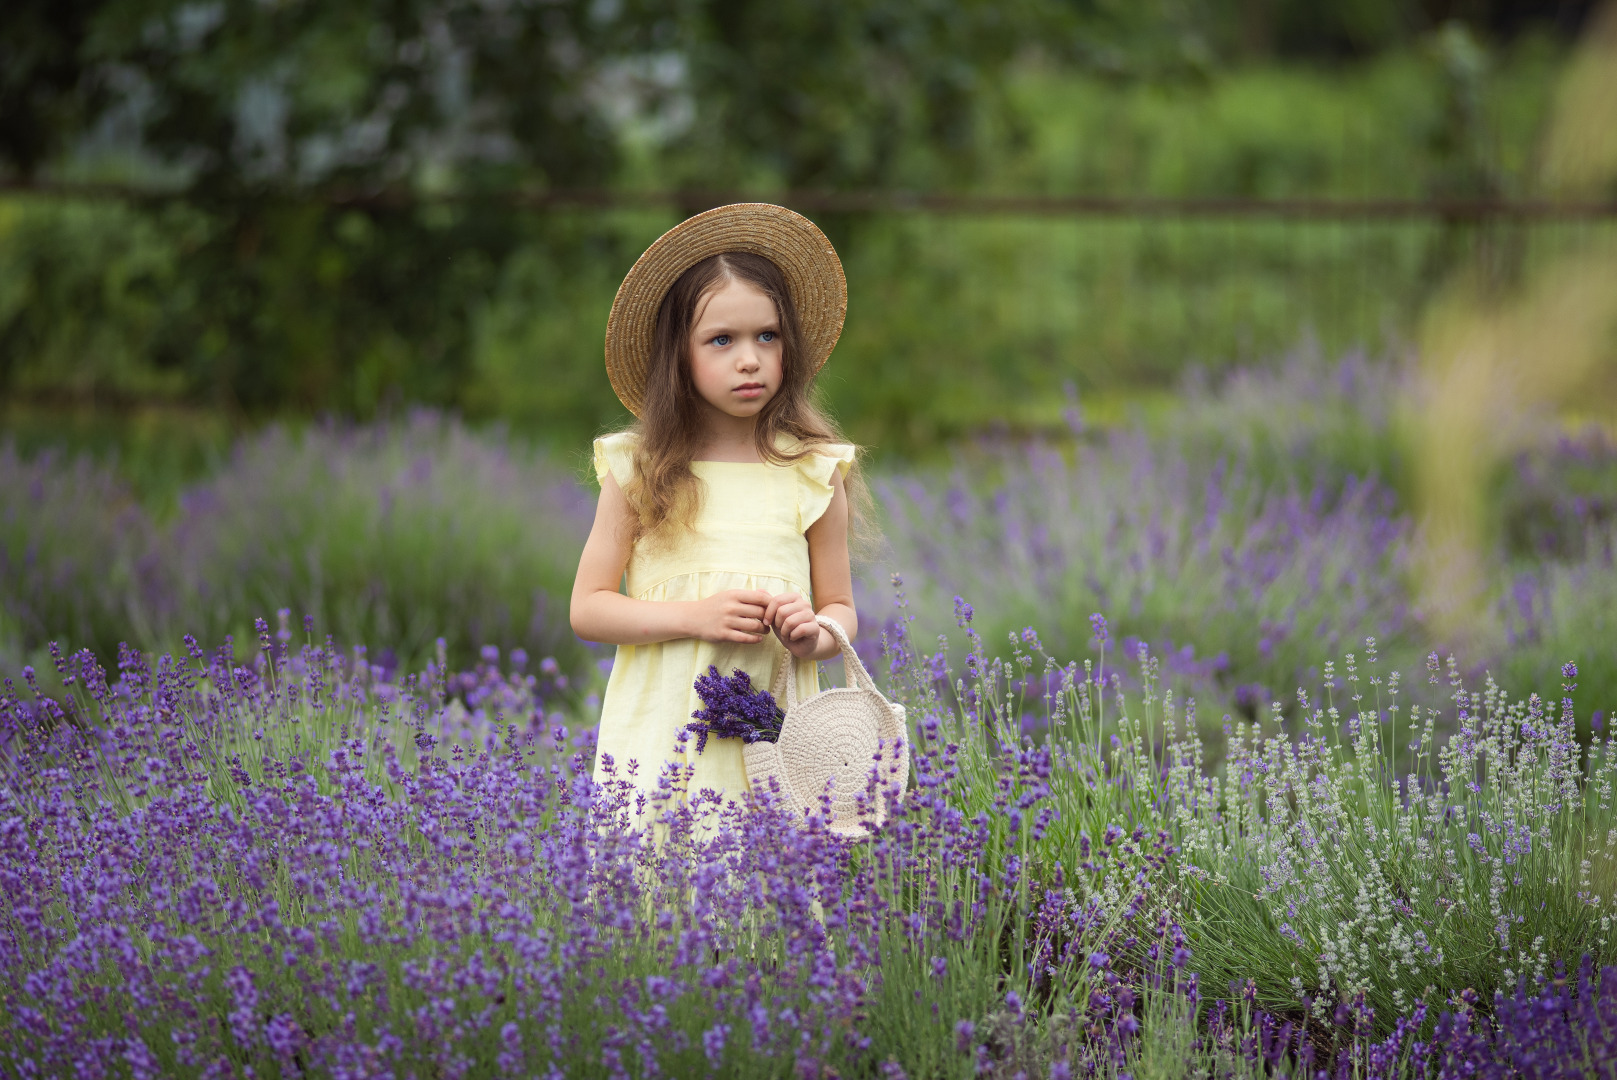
734 710
713 1041
557 884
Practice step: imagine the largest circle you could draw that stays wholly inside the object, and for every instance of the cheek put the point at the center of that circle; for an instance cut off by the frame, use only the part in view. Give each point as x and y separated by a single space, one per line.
701 367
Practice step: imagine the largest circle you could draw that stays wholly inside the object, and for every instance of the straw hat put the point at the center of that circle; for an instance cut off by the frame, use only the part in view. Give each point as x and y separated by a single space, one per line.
787 239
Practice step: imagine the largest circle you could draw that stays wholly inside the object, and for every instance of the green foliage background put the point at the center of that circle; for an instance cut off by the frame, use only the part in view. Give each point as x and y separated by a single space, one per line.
324 227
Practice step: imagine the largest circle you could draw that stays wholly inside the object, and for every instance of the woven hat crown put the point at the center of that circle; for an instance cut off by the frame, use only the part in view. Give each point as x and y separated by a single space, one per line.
788 239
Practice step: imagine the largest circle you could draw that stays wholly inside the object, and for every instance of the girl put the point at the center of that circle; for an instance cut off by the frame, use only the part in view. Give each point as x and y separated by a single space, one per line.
726 509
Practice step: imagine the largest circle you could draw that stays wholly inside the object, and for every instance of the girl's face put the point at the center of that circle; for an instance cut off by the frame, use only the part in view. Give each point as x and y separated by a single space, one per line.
735 349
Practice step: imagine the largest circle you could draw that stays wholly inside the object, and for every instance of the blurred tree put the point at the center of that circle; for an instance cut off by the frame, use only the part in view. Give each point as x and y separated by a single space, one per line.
864 93
46 94
1258 29
254 97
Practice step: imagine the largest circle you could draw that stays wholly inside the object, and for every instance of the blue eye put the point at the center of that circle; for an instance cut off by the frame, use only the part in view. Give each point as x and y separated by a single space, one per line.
767 335
722 339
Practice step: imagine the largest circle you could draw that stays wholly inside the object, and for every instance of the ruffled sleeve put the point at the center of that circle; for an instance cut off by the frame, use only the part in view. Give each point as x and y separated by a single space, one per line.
814 480
615 454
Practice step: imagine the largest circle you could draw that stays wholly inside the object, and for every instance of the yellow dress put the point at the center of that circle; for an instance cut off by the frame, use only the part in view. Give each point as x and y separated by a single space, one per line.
748 534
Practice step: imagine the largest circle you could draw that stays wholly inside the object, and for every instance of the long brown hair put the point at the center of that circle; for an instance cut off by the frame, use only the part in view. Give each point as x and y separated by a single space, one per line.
665 494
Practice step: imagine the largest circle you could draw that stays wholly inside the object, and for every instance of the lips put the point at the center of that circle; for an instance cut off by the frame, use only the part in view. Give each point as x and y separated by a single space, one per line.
750 390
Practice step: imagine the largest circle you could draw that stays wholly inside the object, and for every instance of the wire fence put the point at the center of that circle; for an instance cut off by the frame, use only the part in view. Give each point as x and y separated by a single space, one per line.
899 201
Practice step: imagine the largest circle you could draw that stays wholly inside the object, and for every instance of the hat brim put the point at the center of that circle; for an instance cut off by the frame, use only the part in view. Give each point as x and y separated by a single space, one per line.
786 238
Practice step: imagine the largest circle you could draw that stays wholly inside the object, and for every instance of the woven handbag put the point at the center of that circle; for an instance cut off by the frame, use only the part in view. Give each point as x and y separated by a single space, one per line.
833 739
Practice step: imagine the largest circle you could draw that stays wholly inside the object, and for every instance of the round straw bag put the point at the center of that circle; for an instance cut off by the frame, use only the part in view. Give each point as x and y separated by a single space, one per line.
832 741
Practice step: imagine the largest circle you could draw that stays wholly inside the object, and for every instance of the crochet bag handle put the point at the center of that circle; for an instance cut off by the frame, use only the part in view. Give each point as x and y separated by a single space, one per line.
785 688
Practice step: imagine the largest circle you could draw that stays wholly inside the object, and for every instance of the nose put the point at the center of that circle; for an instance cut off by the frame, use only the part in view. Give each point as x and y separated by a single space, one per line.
747 358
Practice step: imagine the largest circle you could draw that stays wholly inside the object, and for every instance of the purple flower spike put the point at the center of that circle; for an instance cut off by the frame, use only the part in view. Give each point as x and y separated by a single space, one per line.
1097 627
734 710
962 613
713 1040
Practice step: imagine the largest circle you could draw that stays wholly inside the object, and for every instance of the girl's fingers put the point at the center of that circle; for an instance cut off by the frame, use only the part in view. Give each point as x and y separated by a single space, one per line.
778 604
789 625
789 618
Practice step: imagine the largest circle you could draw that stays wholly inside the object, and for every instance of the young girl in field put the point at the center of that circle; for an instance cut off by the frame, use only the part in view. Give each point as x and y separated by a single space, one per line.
725 510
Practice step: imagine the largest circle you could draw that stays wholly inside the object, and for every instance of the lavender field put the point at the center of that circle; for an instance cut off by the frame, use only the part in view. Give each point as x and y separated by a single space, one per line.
1195 792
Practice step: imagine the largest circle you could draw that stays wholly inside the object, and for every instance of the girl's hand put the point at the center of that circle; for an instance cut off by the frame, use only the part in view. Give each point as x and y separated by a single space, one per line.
735 615
793 621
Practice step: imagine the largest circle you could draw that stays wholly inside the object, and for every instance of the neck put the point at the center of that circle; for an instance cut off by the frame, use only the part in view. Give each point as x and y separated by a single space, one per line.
727 438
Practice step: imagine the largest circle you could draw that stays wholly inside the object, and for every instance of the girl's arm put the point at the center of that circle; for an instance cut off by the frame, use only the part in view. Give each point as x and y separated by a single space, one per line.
599 612
831 579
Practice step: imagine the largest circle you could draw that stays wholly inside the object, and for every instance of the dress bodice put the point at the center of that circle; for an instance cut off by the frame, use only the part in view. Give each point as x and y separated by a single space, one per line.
751 519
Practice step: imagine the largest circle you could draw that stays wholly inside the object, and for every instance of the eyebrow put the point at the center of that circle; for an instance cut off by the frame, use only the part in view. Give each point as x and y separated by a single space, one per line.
714 331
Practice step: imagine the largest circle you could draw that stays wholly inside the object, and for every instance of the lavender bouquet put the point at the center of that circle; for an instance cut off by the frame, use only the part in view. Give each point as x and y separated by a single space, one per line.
734 710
